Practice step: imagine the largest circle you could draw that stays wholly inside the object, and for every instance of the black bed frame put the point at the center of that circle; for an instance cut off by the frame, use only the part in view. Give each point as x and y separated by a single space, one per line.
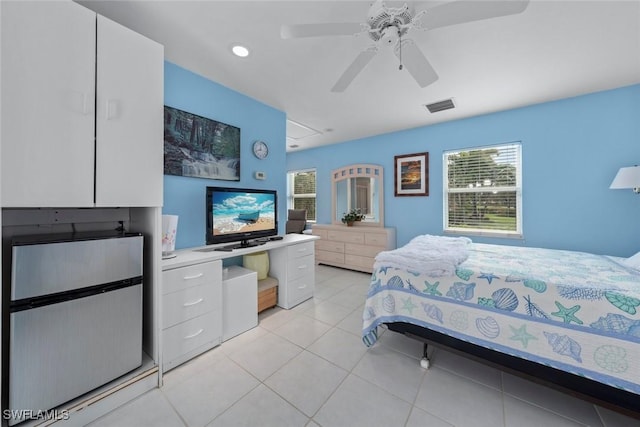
606 396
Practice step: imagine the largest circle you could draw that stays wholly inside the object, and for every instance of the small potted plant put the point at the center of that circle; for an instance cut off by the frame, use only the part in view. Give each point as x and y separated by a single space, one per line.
352 216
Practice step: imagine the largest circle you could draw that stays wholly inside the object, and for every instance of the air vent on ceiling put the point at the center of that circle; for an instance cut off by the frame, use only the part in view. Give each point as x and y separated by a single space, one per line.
447 104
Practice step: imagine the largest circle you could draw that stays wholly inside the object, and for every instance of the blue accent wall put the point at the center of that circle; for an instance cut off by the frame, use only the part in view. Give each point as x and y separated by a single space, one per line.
571 148
185 196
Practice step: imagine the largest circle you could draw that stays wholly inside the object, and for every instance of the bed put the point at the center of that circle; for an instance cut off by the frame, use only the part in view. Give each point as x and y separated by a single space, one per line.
567 318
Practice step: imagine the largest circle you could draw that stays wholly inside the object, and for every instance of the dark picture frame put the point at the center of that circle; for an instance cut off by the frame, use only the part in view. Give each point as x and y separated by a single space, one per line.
200 147
411 177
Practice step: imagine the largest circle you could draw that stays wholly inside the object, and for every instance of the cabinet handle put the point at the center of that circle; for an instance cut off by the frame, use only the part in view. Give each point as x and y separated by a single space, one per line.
302 250
111 110
194 335
303 286
85 103
195 276
189 304
300 267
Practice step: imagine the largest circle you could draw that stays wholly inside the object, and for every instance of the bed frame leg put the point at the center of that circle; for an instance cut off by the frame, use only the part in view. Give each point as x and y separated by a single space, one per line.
424 362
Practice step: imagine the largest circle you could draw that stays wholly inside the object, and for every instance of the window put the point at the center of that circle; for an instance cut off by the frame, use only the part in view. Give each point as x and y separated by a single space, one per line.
301 191
483 191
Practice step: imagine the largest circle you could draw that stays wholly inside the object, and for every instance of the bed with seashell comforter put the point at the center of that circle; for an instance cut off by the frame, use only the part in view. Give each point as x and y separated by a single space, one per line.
571 317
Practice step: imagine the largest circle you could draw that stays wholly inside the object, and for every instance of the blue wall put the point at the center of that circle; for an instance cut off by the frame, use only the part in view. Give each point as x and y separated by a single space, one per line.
571 151
185 196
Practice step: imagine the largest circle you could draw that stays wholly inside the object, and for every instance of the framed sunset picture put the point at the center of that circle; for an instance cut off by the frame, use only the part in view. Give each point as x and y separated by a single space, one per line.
412 174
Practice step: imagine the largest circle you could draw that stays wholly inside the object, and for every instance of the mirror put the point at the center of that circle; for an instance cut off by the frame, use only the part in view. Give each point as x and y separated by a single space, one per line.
358 187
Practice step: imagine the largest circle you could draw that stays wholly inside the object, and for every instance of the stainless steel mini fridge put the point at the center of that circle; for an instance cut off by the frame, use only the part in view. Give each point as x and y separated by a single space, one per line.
75 316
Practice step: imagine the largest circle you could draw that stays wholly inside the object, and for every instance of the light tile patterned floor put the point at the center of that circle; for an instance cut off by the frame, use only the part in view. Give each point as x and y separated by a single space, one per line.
308 367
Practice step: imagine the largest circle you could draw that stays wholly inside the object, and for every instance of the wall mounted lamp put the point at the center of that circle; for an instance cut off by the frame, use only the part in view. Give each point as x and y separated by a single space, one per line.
628 177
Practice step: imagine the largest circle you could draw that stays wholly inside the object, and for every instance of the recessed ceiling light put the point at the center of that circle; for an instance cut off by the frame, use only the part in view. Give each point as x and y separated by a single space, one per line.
240 51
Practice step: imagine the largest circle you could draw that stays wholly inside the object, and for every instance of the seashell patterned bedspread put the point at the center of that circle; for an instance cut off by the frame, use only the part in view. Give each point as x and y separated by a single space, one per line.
575 311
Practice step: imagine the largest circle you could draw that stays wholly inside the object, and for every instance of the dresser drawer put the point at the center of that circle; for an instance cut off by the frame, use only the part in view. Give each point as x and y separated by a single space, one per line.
360 261
333 257
362 250
193 275
299 267
188 336
189 303
328 245
300 289
375 239
321 233
346 236
300 250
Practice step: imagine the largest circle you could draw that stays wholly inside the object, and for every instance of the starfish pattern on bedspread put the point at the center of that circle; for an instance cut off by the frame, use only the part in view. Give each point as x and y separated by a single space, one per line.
521 334
567 314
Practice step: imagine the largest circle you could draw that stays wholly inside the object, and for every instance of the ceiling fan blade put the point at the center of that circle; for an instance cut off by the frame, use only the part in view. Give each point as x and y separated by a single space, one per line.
354 69
318 30
416 63
458 12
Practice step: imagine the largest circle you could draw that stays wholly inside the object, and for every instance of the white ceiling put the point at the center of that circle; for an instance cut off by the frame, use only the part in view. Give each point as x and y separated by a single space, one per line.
553 50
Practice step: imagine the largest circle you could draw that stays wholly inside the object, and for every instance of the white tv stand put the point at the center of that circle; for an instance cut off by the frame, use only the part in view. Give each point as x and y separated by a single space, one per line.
192 310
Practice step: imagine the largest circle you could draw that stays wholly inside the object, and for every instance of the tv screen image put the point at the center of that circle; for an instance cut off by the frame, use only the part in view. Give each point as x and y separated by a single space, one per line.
236 214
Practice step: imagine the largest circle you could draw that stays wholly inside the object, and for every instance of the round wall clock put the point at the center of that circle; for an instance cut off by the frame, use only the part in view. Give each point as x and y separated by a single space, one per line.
260 149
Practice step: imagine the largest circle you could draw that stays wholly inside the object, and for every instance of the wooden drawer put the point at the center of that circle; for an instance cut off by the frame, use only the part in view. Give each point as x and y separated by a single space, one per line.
193 275
267 298
362 250
333 257
328 245
346 236
299 267
376 239
300 250
360 261
321 233
189 303
188 336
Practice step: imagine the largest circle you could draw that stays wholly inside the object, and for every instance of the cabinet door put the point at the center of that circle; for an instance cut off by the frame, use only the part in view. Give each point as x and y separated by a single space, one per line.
48 83
129 117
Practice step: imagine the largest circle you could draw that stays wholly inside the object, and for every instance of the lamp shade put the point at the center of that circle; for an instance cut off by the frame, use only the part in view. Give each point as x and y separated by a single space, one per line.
628 177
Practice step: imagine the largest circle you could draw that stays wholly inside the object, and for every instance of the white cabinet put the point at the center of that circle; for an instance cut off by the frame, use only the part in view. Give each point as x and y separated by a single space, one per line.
352 247
294 267
191 311
239 301
64 130
129 117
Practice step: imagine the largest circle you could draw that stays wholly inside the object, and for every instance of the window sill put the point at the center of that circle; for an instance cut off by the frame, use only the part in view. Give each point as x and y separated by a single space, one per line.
481 233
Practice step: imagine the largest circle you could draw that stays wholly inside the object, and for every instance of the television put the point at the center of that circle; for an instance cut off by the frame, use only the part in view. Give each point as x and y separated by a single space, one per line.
240 215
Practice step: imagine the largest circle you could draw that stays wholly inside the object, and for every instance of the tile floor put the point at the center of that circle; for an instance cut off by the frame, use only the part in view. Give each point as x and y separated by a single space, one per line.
308 367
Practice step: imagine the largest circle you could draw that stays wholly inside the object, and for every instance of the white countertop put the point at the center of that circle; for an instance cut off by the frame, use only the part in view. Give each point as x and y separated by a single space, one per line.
190 256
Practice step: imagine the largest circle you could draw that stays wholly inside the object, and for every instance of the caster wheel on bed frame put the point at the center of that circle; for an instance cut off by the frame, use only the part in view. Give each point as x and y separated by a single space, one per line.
424 363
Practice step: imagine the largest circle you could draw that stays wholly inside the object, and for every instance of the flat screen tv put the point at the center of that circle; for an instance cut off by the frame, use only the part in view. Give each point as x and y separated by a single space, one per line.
240 215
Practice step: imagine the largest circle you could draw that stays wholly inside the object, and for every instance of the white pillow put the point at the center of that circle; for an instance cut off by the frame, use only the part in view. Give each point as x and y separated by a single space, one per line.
633 261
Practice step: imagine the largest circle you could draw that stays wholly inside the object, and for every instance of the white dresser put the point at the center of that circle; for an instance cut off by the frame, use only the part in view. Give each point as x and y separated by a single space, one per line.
191 311
197 310
352 247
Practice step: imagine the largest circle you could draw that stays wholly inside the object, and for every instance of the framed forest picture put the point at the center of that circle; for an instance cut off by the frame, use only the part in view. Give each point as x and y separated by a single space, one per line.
199 147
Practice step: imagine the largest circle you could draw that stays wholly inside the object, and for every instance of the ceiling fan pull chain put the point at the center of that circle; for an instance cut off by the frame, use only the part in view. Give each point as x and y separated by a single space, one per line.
400 54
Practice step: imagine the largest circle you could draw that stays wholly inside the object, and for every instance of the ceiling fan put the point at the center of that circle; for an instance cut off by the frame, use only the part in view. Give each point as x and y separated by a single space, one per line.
389 26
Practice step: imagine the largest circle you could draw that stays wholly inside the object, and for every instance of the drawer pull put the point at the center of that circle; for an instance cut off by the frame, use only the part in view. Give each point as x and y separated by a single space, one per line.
194 335
302 286
195 276
301 267
189 304
302 250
